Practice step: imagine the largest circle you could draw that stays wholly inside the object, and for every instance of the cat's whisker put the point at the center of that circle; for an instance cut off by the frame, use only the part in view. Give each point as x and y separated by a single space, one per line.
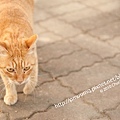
6 85
2 89
1 98
2 92
32 85
32 82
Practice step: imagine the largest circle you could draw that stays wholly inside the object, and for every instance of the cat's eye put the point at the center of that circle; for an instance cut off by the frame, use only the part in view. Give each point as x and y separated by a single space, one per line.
10 69
26 68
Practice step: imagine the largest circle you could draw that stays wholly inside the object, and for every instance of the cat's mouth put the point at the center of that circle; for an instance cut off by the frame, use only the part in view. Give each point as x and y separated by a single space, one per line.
23 82
19 82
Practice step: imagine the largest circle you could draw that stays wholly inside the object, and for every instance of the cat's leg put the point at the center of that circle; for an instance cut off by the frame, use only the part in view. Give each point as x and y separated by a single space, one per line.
30 85
10 97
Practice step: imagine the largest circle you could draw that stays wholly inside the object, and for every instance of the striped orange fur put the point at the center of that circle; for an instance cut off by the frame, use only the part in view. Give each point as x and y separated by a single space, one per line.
18 57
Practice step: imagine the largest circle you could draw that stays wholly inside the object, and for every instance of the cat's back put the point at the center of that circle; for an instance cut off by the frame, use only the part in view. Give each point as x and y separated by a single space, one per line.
16 13
11 8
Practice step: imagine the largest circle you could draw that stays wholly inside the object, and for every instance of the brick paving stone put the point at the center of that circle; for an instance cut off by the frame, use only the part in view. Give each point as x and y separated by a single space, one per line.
73 6
94 3
47 38
78 15
3 116
89 76
43 77
107 32
114 114
69 63
110 6
106 100
104 118
56 50
38 29
94 22
76 110
41 99
60 27
94 45
115 42
45 4
115 61
41 15
115 12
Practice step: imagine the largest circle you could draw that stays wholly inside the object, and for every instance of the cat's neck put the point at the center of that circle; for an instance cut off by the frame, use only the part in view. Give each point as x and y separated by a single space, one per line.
15 31
15 27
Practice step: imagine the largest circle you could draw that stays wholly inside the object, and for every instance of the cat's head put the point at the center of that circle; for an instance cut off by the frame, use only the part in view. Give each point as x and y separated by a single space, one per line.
17 59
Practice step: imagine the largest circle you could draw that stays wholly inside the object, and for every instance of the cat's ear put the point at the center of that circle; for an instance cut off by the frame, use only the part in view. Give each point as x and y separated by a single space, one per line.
30 41
3 49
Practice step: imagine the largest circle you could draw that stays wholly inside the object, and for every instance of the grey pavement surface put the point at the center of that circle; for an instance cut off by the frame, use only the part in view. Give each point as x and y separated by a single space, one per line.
78 49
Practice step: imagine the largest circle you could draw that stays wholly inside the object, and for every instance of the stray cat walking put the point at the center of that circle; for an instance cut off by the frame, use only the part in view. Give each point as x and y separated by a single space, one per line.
18 56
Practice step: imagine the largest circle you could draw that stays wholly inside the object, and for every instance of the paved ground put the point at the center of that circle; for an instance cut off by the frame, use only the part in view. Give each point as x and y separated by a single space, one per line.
78 48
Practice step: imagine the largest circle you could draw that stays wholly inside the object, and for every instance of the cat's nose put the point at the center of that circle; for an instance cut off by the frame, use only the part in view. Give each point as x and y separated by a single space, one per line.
19 82
19 79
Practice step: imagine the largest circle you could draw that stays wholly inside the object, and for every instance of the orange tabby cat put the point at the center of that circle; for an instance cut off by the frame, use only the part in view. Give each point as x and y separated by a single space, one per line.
18 57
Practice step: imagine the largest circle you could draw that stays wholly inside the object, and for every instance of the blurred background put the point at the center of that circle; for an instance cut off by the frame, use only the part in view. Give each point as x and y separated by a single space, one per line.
79 47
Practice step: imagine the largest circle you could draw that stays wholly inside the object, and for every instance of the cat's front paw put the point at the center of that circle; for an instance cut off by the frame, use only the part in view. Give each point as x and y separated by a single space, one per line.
28 89
10 99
